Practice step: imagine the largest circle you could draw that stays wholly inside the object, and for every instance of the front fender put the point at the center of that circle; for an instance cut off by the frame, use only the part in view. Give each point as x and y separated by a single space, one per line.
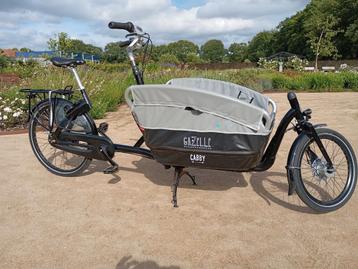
290 167
293 151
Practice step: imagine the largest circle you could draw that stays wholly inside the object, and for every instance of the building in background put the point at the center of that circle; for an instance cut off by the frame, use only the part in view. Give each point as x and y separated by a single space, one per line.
43 56
10 53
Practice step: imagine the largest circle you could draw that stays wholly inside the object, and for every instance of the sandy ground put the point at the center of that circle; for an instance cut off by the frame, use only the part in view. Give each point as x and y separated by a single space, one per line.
126 220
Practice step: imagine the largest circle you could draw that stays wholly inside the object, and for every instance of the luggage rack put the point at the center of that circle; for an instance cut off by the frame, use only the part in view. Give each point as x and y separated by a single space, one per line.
43 94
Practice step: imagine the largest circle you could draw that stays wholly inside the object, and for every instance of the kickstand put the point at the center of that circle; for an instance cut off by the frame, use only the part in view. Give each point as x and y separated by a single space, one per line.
178 173
114 166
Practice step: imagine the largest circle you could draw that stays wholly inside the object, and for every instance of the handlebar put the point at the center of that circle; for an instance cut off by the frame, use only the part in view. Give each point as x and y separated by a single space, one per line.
128 26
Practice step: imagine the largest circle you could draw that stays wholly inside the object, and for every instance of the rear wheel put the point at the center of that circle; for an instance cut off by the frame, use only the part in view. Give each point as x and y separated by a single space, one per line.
321 188
57 161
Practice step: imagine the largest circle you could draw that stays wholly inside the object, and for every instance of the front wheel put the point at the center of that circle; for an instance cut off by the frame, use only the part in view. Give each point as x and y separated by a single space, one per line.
319 187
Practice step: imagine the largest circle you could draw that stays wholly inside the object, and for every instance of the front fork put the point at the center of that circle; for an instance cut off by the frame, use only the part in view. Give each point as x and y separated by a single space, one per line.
303 127
309 129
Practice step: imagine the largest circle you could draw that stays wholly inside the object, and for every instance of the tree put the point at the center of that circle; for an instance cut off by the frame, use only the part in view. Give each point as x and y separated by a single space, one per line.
25 50
237 52
76 45
158 51
114 53
193 58
352 35
321 28
61 42
262 45
347 39
290 35
181 49
168 58
213 51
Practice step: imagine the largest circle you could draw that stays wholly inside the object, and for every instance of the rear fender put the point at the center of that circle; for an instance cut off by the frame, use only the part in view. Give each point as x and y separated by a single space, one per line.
89 118
35 107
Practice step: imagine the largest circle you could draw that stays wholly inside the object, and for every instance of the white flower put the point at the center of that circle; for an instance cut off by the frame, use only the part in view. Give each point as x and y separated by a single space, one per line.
0 118
7 109
16 114
5 117
23 102
0 98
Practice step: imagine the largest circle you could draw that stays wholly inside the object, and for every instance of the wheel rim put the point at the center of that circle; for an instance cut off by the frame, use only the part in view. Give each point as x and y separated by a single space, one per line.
323 186
53 158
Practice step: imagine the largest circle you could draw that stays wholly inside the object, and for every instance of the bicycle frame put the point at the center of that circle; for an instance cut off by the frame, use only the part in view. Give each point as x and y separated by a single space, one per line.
303 126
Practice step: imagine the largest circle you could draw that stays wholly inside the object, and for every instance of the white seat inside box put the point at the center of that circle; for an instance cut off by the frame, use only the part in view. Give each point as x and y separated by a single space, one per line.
223 88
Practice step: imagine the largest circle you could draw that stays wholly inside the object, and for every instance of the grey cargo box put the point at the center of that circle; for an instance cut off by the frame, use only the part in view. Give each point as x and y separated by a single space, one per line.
203 122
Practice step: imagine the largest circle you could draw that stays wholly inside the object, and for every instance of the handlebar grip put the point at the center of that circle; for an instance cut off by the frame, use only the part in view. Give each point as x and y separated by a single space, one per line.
128 26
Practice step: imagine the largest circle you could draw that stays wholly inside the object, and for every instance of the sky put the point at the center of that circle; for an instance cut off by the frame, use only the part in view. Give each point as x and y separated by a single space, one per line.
31 23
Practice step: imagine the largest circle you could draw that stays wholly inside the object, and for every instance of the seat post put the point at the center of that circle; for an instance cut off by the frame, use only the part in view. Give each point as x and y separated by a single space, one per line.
80 85
77 77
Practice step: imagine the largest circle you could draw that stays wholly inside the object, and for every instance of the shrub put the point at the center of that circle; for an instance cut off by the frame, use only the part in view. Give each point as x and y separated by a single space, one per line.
4 61
193 58
107 67
168 58
350 80
280 82
296 63
324 81
268 64
12 112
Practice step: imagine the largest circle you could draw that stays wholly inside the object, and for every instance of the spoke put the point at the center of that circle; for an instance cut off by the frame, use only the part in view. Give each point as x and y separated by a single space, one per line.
43 126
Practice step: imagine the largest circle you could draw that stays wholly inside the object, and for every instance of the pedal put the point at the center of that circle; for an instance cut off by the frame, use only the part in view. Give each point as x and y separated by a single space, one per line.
103 127
114 166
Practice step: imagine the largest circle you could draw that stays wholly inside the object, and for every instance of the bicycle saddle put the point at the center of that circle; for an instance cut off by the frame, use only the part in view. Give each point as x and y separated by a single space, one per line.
64 62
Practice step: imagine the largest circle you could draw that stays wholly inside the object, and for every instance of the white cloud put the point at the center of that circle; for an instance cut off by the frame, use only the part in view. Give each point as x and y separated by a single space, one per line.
31 23
249 8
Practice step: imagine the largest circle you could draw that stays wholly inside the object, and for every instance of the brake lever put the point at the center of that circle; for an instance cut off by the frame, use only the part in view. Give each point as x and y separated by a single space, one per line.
123 44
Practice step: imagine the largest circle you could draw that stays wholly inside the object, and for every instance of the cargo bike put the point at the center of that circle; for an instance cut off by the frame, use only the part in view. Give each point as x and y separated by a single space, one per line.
193 122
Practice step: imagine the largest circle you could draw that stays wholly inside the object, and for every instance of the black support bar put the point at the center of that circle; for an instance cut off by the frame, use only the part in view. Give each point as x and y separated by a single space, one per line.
133 150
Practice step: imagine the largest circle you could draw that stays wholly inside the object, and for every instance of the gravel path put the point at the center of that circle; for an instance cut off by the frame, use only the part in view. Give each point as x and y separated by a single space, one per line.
125 220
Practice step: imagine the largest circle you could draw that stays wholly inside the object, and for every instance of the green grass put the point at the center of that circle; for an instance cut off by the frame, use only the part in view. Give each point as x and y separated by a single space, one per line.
317 82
